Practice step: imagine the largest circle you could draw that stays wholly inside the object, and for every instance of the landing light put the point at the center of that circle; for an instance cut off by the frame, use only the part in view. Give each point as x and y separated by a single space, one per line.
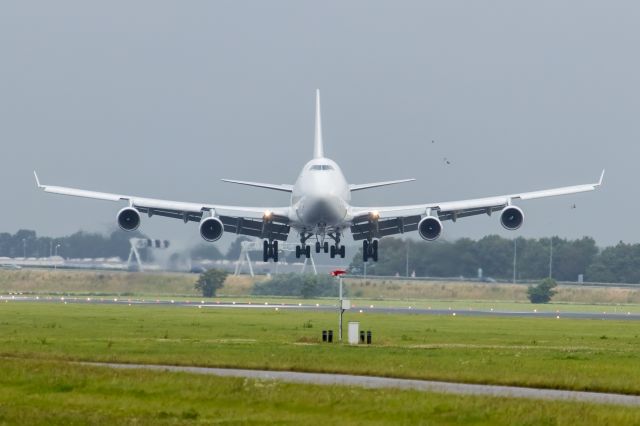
267 214
375 214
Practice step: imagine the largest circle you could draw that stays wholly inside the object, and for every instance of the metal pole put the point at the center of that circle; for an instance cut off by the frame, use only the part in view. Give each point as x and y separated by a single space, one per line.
515 256
341 311
551 258
407 259
55 265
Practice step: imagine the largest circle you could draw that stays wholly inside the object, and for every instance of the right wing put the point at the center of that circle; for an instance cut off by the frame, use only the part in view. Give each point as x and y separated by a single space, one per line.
282 187
236 219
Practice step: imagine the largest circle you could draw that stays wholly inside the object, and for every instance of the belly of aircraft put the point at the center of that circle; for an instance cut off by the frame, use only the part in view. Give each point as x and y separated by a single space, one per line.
321 212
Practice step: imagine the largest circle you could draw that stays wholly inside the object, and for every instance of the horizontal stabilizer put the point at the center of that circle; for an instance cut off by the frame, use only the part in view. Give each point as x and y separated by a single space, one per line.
285 188
377 184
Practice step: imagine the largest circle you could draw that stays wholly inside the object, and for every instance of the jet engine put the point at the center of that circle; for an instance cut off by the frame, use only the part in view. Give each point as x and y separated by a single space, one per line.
511 218
430 228
211 229
128 219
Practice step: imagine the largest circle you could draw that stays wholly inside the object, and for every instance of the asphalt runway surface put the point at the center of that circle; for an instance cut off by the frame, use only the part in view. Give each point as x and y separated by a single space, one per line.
201 304
386 382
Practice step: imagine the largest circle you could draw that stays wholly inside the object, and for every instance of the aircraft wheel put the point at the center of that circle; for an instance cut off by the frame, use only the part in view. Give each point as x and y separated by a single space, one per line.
326 247
265 251
332 253
342 252
274 252
317 246
298 252
375 250
307 250
365 250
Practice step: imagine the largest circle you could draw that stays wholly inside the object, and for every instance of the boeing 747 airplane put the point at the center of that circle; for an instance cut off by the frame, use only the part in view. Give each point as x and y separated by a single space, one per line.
319 210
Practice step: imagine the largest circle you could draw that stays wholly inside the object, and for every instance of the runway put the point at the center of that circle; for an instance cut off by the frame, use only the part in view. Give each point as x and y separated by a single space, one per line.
201 304
386 382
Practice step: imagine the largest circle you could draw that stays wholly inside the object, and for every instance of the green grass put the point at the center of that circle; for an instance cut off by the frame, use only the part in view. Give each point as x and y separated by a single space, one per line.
44 392
593 355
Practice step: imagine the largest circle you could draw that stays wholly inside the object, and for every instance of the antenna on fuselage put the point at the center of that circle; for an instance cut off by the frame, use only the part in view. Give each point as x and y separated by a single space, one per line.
318 151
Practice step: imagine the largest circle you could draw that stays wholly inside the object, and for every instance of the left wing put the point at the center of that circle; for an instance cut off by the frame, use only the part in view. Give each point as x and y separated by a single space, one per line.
236 219
398 219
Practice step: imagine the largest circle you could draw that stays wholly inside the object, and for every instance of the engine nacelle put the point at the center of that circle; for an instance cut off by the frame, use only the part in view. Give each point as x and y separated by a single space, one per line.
211 229
430 228
511 217
128 219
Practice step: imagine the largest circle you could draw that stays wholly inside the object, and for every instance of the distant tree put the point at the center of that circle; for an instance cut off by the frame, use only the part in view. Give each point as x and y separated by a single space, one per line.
572 258
542 292
620 263
210 281
298 285
206 251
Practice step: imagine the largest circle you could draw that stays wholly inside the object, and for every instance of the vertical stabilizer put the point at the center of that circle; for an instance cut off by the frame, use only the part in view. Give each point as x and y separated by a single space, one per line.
318 150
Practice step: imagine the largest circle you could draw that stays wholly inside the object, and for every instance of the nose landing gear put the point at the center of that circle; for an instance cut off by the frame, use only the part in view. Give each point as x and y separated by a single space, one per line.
322 247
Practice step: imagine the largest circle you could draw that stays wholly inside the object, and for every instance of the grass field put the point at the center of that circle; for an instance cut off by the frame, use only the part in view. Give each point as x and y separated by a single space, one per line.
37 392
40 386
567 354
39 340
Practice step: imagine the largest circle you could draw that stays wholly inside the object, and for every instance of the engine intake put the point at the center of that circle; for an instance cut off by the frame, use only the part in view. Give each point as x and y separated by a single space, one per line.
211 229
511 218
430 228
128 219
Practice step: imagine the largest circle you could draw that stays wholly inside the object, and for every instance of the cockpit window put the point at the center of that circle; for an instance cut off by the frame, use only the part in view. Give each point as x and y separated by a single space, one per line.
321 167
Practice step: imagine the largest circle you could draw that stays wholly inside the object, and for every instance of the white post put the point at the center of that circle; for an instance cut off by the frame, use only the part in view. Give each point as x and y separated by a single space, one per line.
249 263
313 264
551 258
515 257
341 311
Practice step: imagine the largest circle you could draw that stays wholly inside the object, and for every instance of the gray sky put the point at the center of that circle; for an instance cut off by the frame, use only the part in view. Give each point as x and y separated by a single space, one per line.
162 99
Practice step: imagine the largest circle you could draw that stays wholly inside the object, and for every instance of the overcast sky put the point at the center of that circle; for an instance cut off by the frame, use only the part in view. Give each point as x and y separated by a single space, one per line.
164 98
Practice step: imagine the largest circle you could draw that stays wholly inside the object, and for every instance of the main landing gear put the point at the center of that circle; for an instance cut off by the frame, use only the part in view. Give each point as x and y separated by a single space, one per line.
334 250
337 249
370 250
270 251
303 249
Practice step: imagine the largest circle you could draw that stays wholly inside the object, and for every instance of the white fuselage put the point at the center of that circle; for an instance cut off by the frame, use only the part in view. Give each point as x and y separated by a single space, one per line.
320 198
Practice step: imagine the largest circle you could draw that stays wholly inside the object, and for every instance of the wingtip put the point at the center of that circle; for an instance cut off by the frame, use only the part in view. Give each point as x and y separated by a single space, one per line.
601 177
37 180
